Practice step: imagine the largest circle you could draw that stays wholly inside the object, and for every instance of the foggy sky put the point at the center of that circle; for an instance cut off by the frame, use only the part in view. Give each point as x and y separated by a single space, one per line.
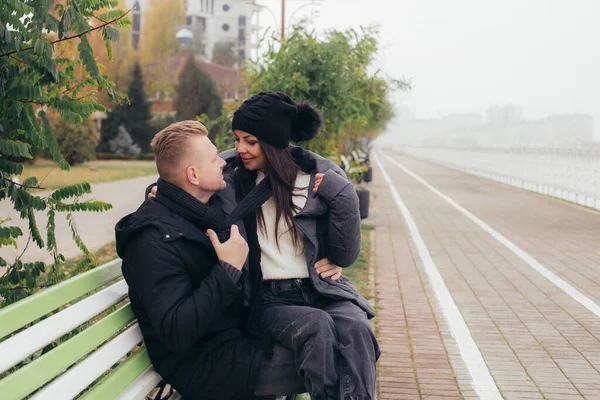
467 55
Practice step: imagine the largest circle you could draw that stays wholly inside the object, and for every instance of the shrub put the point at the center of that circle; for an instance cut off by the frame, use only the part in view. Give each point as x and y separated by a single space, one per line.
77 142
123 144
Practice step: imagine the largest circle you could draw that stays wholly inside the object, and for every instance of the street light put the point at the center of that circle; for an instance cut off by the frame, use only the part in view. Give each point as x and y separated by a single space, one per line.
312 3
282 29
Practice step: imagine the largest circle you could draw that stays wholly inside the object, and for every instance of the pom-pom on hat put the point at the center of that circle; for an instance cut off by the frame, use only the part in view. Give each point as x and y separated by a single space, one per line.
276 119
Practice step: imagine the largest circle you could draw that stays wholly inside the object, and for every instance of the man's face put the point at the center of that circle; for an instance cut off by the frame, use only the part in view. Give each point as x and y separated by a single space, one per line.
209 166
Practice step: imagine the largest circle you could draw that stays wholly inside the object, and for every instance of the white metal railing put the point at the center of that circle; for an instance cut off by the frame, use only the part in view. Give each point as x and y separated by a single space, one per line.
571 174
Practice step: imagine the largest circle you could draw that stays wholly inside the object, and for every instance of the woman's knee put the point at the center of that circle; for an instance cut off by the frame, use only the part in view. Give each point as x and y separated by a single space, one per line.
316 322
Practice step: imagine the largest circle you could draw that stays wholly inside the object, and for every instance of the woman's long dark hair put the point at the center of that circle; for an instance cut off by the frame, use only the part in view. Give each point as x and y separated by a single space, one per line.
281 170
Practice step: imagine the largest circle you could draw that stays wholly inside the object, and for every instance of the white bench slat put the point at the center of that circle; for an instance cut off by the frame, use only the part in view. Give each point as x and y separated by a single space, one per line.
27 342
140 388
72 382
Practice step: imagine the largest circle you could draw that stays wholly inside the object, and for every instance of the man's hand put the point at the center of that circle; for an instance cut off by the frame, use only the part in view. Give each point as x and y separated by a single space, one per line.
234 251
326 269
318 179
152 192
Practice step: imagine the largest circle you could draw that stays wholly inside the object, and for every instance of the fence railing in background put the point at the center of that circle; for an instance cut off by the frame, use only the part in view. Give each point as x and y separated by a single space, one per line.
571 174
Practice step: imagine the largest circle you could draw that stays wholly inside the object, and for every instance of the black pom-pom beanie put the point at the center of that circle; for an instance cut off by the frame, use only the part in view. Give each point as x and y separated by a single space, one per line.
276 119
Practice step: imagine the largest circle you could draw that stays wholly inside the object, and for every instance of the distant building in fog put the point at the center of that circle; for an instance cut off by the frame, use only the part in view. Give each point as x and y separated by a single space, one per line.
217 20
503 125
504 115
559 129
429 131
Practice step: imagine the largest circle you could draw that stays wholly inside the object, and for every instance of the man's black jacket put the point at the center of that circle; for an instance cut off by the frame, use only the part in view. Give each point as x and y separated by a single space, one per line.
189 305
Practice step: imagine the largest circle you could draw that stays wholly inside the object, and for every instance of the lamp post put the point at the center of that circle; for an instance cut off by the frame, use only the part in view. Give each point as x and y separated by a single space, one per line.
312 3
282 19
282 29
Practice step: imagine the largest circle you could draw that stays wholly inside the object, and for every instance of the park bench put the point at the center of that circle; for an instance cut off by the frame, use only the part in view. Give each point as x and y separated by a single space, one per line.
100 354
104 360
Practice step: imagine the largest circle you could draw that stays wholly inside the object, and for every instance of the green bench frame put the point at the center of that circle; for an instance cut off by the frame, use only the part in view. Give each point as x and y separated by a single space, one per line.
86 361
86 357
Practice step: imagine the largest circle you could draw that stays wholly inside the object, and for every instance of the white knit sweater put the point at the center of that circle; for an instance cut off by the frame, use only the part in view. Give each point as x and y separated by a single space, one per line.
287 261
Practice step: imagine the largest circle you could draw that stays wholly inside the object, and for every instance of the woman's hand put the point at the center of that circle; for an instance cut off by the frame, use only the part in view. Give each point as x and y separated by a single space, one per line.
152 192
326 269
318 179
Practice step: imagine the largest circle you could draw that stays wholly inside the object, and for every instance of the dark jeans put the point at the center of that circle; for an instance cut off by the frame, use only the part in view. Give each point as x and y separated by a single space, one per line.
279 375
334 347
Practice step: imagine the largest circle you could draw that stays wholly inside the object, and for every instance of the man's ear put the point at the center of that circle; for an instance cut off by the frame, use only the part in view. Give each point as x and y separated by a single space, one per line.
193 175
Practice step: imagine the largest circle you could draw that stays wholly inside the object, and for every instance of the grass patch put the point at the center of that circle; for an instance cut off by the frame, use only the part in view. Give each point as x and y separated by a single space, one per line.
53 177
104 254
359 271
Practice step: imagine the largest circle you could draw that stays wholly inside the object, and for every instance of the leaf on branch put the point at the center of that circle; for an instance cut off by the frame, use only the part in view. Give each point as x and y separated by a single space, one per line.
7 241
76 236
10 231
110 33
111 14
33 271
35 232
85 264
11 167
51 143
50 230
109 50
15 148
64 26
30 181
33 131
92 205
87 57
8 235
76 190
23 201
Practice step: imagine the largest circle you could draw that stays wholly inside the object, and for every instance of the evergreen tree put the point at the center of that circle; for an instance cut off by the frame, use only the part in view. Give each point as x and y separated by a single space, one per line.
137 114
123 144
134 116
196 93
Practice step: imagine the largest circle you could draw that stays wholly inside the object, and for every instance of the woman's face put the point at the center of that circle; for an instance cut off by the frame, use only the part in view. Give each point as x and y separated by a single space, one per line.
250 151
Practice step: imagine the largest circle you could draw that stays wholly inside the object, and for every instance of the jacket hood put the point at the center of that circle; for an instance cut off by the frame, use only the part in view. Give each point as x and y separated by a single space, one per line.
152 214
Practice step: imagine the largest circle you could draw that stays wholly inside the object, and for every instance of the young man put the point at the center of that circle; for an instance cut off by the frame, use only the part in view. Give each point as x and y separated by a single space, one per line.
185 283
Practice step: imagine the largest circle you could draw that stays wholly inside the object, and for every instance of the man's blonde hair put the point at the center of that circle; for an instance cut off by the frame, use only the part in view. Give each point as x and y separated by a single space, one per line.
170 145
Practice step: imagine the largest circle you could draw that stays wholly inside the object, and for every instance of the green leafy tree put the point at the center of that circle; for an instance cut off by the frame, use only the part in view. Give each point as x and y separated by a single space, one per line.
333 74
158 42
196 93
39 77
224 54
135 116
219 129
77 142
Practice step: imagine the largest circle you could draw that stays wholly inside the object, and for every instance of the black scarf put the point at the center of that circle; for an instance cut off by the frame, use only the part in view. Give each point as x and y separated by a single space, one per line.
211 216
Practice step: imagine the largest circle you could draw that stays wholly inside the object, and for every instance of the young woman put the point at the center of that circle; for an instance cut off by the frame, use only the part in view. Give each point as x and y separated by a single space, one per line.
309 226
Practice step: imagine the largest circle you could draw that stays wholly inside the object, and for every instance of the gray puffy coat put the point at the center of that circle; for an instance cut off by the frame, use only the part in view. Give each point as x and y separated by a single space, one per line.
329 221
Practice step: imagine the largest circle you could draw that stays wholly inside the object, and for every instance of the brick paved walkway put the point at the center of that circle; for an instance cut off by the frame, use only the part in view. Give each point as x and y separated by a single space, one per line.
536 340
